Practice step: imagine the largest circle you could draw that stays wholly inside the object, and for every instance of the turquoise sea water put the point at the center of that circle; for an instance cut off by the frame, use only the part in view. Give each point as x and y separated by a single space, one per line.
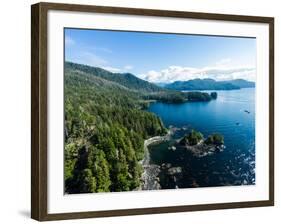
233 115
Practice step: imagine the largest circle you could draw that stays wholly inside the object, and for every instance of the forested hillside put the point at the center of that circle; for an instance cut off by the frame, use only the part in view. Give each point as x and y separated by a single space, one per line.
241 83
106 125
104 134
125 79
210 84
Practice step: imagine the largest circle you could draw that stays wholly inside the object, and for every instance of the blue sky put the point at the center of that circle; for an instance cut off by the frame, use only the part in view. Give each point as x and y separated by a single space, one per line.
163 57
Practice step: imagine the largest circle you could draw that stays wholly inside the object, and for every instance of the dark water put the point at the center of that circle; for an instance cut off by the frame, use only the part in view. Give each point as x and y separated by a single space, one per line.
226 115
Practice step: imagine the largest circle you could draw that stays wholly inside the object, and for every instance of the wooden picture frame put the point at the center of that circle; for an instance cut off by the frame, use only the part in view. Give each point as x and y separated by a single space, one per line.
39 110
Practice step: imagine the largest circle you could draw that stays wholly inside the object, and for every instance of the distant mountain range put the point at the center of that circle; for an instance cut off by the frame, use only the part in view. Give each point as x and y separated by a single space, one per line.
210 84
131 82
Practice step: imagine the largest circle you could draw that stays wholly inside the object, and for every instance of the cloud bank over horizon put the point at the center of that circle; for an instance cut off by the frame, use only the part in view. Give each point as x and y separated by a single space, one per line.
218 73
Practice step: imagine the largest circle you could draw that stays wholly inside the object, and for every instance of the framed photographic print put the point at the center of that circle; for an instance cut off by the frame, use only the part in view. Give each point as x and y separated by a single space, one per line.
139 111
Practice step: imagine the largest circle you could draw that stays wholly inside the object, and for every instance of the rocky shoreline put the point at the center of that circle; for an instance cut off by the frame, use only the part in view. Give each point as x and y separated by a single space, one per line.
203 147
150 179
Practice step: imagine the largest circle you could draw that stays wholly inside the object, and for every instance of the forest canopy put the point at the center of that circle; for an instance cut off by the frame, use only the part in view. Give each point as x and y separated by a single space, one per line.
104 134
106 125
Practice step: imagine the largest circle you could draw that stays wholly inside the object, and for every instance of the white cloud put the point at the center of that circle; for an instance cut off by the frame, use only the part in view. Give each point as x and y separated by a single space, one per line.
92 59
69 41
115 70
111 69
128 67
219 72
89 58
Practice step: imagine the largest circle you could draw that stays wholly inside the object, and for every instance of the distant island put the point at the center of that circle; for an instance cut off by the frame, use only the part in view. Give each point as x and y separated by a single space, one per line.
209 84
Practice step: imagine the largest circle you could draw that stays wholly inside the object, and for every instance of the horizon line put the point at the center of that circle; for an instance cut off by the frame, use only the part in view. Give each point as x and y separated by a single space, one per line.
92 66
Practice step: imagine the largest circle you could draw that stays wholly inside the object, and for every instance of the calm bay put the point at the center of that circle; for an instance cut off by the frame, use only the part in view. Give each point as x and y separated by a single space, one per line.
232 114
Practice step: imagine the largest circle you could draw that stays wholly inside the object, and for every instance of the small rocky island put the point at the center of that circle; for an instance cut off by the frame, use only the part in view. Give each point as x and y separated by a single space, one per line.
195 142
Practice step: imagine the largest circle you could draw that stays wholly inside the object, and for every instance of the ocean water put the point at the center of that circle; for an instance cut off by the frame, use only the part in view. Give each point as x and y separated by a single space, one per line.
232 114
